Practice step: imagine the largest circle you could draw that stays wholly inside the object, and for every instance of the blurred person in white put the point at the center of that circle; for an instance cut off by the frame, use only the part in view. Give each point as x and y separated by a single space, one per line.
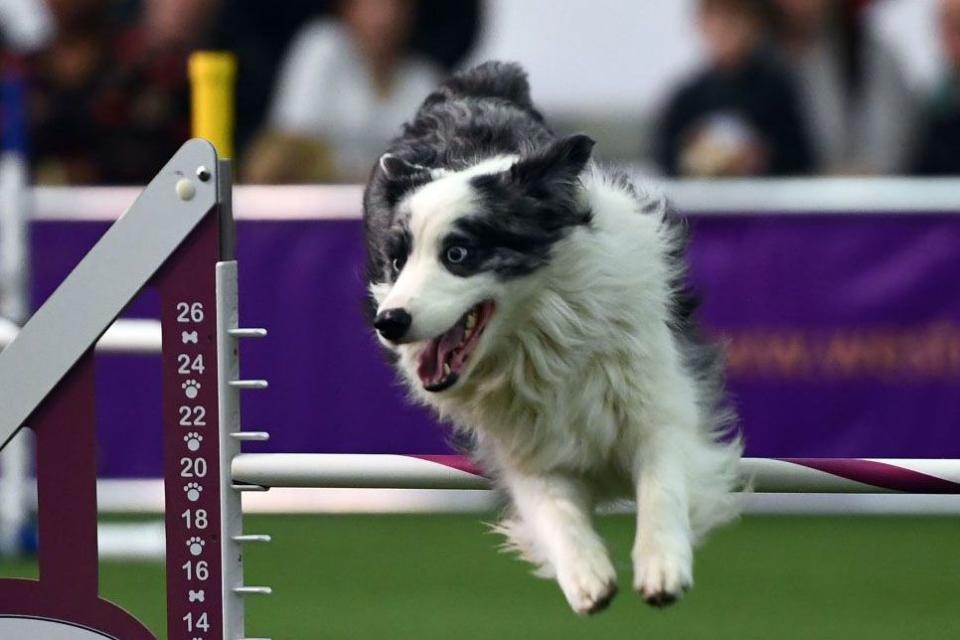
855 97
344 89
938 152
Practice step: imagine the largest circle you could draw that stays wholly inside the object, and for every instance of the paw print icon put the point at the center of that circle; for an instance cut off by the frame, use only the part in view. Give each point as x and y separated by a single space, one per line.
193 440
195 545
191 388
193 491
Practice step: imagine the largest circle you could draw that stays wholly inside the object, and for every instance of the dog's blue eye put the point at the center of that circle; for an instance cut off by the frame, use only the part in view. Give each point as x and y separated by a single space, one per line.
456 254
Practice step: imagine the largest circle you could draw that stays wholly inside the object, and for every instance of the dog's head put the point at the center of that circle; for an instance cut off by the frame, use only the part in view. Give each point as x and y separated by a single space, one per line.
455 254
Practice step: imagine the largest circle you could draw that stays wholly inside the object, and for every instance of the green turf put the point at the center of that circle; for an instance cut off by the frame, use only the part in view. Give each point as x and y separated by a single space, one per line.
426 577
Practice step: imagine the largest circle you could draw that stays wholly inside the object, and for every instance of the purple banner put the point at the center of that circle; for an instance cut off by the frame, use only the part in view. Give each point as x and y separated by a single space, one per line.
843 338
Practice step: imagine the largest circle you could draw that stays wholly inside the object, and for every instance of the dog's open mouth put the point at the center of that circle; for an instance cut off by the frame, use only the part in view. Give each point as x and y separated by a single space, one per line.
444 357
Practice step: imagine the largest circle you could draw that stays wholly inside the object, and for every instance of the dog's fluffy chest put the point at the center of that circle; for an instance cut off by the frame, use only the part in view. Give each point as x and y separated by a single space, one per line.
561 408
574 425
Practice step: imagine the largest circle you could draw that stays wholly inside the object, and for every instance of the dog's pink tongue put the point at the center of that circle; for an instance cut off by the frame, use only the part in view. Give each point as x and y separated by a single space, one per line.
429 361
436 352
448 342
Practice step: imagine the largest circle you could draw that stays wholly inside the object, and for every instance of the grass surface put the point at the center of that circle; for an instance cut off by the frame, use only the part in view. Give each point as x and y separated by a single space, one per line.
438 577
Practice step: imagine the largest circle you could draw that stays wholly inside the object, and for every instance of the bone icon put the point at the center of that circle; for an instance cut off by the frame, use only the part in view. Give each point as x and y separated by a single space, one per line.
196 596
189 337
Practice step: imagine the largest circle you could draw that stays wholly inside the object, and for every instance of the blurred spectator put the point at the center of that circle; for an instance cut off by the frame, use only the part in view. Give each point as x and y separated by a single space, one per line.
739 116
259 34
939 150
345 87
108 101
176 24
855 97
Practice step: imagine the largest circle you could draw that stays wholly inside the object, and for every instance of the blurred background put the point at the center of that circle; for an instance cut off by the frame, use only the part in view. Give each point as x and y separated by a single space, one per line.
687 87
835 290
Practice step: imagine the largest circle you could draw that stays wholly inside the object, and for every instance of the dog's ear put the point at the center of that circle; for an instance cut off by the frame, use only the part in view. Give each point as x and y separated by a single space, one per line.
561 161
395 167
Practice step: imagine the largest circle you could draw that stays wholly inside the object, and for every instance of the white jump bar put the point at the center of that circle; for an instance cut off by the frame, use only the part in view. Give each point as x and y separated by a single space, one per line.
123 336
348 470
810 196
769 475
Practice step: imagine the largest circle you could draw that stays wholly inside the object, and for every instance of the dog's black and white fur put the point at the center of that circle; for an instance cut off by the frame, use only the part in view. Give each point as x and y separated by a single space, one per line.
537 303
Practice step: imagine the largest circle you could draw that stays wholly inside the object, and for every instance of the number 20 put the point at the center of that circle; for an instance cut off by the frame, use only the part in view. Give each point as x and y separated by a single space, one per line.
193 467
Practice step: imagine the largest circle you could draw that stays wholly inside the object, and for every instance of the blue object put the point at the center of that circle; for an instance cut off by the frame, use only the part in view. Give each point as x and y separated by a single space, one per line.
13 122
29 543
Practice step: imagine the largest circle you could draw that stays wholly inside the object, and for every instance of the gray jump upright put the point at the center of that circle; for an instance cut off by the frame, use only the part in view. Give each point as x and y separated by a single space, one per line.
177 236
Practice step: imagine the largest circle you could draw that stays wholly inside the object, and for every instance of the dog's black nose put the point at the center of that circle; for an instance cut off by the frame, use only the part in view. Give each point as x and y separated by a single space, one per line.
393 323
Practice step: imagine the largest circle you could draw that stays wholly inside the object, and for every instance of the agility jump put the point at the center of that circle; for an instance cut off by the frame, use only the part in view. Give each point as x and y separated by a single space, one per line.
178 236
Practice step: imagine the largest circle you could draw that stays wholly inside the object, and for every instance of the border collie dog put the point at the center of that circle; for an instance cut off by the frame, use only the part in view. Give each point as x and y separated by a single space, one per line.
537 303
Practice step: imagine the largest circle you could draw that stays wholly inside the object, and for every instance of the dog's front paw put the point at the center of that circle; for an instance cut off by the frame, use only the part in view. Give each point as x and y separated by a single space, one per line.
662 577
588 581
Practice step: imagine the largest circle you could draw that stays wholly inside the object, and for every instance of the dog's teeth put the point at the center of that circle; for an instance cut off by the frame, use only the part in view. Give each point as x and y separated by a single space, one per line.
471 321
446 368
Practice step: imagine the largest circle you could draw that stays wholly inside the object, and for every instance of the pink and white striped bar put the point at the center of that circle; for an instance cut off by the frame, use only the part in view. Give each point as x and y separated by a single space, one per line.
769 475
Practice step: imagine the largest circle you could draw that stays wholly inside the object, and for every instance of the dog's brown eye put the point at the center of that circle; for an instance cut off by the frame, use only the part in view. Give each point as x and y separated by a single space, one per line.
456 254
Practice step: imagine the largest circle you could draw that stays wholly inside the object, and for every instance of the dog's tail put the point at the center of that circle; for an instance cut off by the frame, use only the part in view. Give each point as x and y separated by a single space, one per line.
504 80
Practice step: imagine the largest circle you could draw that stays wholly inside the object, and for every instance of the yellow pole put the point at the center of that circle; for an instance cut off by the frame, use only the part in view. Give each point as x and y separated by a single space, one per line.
212 76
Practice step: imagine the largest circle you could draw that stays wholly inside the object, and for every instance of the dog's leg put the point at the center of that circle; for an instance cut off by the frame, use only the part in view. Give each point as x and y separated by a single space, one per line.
663 550
557 514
